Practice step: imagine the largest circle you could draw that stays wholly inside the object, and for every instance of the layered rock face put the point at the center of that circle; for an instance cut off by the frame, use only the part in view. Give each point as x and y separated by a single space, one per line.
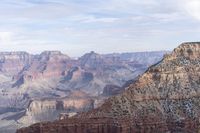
22 66
46 65
164 99
39 87
87 73
49 109
17 59
75 103
50 64
94 71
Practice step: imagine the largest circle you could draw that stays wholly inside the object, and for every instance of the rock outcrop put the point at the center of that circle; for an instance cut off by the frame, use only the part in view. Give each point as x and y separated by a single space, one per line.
111 90
18 59
88 72
46 65
166 98
94 71
50 109
52 75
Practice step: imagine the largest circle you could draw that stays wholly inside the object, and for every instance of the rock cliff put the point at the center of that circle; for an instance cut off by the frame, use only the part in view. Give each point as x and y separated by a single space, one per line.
46 65
17 59
49 109
166 98
39 87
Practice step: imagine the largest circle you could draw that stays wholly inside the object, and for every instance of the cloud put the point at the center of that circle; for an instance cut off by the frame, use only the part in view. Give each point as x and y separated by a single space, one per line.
103 20
6 37
93 19
78 26
192 7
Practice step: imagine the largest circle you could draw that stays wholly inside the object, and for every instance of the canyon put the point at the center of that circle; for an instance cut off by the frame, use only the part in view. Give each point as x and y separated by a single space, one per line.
40 87
164 99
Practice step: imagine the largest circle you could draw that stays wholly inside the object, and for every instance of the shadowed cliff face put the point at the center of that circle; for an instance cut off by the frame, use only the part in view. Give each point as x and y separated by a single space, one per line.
166 98
88 72
39 87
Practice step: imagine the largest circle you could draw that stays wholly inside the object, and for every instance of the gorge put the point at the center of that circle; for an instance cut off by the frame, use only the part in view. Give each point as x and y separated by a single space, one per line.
163 99
40 87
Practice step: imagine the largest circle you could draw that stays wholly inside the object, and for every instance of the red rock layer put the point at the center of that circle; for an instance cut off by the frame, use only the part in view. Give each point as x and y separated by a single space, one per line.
165 99
109 125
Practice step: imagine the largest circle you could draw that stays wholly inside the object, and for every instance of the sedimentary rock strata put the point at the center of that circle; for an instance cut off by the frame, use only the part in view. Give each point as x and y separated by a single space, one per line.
166 98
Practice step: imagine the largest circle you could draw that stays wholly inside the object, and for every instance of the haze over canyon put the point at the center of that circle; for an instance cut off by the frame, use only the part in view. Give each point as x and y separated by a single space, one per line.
35 88
164 99
141 76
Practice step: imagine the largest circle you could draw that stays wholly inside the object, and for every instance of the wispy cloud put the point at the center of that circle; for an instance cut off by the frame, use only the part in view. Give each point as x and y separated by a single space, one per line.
192 7
6 37
78 26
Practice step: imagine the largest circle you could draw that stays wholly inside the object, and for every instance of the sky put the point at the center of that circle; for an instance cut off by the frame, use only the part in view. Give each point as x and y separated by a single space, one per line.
105 26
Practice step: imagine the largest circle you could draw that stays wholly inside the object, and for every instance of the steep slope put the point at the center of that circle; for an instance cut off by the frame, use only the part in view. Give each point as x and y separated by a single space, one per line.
94 71
164 99
138 57
46 65
92 61
52 78
176 77
17 59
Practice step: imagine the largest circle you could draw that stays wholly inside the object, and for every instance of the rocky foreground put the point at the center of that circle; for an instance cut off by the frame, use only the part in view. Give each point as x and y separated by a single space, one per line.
165 99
